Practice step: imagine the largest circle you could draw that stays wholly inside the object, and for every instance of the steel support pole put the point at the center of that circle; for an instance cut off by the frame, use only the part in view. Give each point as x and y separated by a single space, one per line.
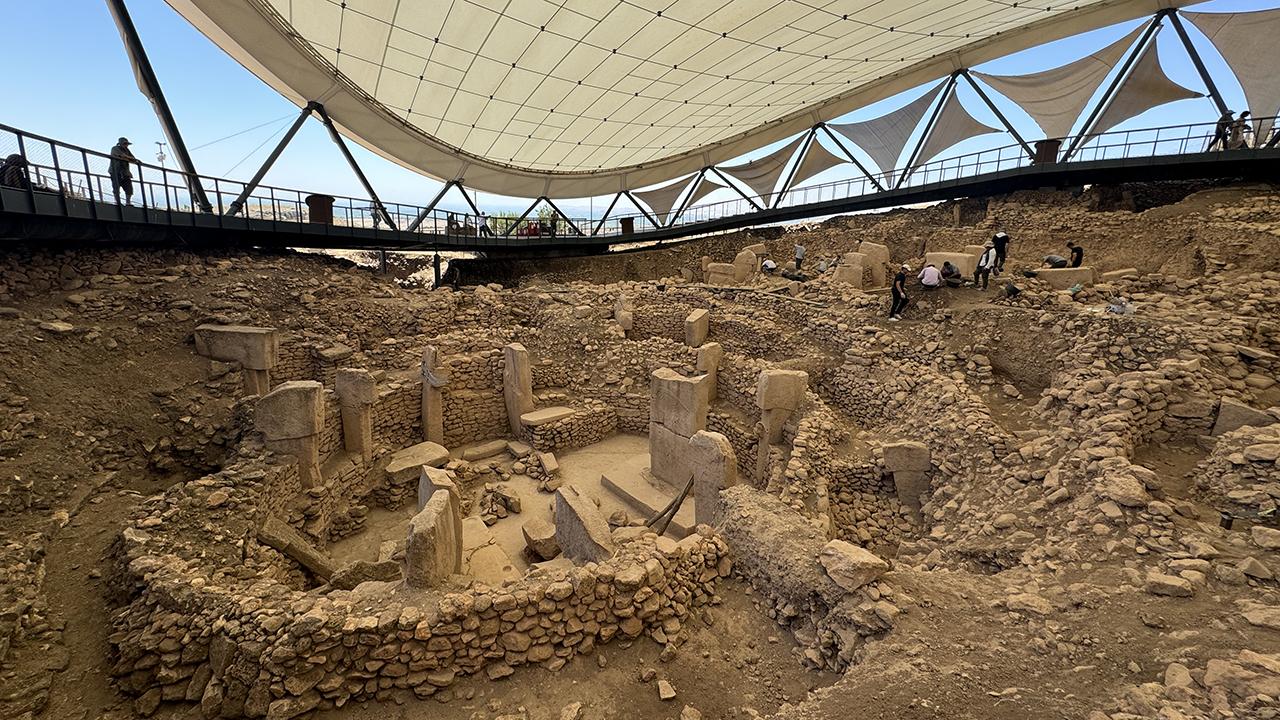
688 199
351 160
430 206
520 219
238 204
604 217
1195 60
640 207
1031 153
1109 95
463 189
945 95
147 77
560 212
795 167
737 189
849 154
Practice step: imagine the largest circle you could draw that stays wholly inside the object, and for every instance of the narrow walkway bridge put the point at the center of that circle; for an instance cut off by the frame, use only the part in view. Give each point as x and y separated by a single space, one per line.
68 197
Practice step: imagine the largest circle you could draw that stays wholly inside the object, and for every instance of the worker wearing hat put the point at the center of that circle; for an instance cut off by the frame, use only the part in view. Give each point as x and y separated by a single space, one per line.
121 170
986 263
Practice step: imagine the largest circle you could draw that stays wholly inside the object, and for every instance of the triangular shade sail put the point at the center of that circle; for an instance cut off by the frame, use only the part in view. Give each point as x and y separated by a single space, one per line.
1146 87
1247 41
883 138
816 159
954 125
661 199
704 188
761 174
1054 98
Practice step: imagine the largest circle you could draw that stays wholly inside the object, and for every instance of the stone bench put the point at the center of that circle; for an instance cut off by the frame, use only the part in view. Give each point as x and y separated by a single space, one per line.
1065 278
546 415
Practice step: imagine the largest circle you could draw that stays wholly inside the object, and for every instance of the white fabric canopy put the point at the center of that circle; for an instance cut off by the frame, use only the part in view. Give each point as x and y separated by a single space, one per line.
1146 87
1247 41
816 159
574 98
661 199
1054 98
705 187
884 138
761 174
954 125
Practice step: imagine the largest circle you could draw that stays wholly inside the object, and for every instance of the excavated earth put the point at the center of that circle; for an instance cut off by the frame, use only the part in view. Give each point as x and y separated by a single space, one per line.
1097 535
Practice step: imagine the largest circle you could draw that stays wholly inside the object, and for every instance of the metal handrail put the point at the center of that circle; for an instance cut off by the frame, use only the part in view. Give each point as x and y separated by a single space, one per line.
70 172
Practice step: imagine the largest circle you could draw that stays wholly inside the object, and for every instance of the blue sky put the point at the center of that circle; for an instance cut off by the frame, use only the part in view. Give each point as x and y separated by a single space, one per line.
75 84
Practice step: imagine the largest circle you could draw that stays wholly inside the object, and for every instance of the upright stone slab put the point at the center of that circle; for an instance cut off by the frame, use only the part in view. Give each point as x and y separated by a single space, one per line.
696 327
710 356
581 530
437 480
1065 278
910 464
290 418
849 275
715 467
357 390
877 259
680 403
257 349
434 550
964 262
1233 415
745 264
719 274
517 385
434 377
778 394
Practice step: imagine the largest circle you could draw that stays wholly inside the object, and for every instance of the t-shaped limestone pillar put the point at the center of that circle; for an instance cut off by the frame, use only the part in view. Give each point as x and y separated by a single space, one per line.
434 377
356 392
256 349
709 357
696 326
434 550
517 385
715 467
778 394
290 418
438 480
677 410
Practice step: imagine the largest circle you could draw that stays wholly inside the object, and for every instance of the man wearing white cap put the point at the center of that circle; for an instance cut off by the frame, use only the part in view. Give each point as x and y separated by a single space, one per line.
121 172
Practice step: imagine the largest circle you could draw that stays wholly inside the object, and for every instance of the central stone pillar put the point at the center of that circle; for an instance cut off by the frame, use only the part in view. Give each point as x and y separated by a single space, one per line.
291 418
434 481
434 549
709 357
677 410
434 378
715 467
356 392
778 394
257 349
517 385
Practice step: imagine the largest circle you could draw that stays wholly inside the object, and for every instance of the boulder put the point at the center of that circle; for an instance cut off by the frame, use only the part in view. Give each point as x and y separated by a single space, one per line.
1157 583
850 566
349 576
581 530
540 537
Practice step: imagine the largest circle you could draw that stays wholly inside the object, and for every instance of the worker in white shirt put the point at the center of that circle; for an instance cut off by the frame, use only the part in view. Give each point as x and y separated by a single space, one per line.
930 278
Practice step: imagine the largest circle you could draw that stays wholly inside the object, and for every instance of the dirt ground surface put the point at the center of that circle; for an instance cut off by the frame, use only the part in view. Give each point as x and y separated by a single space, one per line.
1096 536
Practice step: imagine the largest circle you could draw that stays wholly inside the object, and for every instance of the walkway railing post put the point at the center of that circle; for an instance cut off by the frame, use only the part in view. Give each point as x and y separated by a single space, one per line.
238 204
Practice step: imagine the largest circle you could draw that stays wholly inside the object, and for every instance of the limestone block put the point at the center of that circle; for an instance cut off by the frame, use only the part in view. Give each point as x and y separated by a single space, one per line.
540 537
542 416
517 384
1064 278
1114 275
696 327
361 571
548 461
760 249
909 485
704 263
964 262
744 265
850 566
406 464
667 455
355 386
715 467
849 275
908 455
781 389
433 551
581 530
485 450
626 319
293 410
876 253
975 250
720 274
679 403
855 258
276 534
710 356
1233 414
256 348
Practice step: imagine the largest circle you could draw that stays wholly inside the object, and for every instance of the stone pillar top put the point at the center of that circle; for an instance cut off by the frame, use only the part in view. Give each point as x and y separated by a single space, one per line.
293 410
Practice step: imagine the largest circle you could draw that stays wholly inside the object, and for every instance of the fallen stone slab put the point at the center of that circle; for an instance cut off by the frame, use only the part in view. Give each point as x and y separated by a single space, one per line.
850 566
1233 415
1157 583
540 538
1114 275
543 416
349 576
406 465
278 535
581 530
485 450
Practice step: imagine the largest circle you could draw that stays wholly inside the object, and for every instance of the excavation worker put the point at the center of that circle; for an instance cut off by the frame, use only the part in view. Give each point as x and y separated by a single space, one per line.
799 255
1077 254
1055 261
121 170
768 266
951 275
1001 242
986 263
1241 132
900 298
930 278
14 172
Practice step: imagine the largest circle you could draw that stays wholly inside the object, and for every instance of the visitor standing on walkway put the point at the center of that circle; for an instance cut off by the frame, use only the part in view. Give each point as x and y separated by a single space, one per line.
899 291
1241 132
1219 141
1077 254
13 173
986 263
1001 242
799 255
484 230
121 171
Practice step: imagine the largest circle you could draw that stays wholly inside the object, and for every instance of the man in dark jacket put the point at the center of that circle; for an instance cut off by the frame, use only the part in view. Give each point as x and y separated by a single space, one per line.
1001 242
121 170
1077 254
14 172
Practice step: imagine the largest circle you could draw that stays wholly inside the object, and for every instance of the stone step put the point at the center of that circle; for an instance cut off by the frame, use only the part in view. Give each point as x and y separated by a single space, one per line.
545 415
647 497
485 450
